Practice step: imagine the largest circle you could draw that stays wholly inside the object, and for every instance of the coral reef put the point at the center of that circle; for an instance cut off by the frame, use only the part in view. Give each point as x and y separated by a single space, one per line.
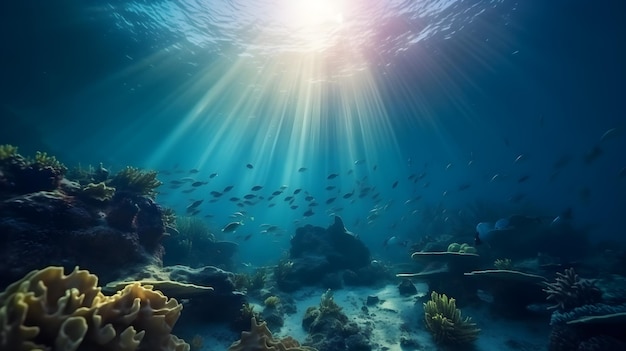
97 191
445 323
49 310
503 263
260 338
135 181
569 291
582 319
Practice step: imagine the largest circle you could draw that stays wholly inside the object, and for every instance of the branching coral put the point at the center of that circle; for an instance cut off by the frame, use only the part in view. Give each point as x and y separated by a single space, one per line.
136 181
260 338
328 306
504 263
43 160
98 191
445 323
7 151
49 310
569 291
272 301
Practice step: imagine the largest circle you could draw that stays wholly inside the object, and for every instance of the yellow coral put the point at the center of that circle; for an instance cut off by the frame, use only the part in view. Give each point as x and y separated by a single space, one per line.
50 310
445 323
98 191
42 159
504 263
260 338
272 301
7 150
136 181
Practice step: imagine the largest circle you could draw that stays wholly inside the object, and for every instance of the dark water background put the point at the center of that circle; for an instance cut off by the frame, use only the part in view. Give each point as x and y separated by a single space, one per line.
175 85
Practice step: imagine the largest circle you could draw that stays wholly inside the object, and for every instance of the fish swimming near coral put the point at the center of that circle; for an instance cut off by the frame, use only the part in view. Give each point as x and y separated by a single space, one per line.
231 227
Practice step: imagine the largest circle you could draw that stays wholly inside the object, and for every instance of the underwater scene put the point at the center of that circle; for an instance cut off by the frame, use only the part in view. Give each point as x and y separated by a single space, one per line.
313 175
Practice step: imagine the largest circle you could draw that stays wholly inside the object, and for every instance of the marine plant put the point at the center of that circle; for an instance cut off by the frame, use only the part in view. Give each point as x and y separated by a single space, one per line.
445 323
7 151
257 281
169 217
272 301
136 181
503 263
328 306
43 160
241 281
98 191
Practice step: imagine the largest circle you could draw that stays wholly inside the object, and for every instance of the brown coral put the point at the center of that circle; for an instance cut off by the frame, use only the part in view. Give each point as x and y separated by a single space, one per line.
50 310
260 338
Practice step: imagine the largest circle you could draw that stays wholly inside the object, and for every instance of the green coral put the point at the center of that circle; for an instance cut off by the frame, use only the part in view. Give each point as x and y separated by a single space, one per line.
7 151
454 247
445 323
503 263
257 281
136 181
272 301
467 248
98 191
43 160
328 306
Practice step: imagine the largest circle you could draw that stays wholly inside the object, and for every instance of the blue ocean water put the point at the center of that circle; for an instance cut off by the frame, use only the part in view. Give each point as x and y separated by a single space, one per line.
470 106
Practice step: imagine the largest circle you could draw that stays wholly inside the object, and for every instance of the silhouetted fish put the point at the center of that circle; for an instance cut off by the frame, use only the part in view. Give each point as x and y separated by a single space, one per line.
249 166
308 213
231 227
302 169
394 185
228 188
212 175
257 188
332 176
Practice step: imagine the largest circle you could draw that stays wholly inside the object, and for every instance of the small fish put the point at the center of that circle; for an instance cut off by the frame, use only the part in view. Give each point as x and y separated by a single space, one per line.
277 192
330 187
288 198
228 188
198 183
523 178
331 200
448 166
302 169
309 198
394 185
249 166
348 195
297 191
195 204
193 171
519 158
495 177
359 162
308 213
609 134
249 196
332 176
234 199
213 175
231 227
257 188
464 186
245 238
216 193
593 154
293 207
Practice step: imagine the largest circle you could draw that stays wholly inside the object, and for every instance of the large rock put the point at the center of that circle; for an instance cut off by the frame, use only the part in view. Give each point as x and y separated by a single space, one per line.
317 252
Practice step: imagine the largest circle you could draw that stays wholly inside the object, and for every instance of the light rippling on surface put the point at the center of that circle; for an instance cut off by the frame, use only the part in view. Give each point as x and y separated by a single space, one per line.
368 29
